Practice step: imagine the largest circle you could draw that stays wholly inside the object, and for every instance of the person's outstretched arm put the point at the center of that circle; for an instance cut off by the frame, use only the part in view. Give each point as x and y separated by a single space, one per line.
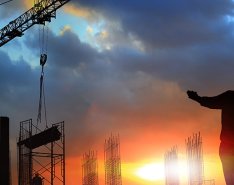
214 102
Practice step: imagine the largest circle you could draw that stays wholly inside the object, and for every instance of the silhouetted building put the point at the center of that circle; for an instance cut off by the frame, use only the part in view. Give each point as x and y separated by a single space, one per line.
4 151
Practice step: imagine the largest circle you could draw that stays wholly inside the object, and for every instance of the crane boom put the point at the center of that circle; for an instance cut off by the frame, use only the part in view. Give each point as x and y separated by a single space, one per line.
40 13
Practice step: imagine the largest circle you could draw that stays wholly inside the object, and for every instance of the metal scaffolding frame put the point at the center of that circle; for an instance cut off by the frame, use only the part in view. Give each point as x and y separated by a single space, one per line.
112 161
90 168
171 167
41 154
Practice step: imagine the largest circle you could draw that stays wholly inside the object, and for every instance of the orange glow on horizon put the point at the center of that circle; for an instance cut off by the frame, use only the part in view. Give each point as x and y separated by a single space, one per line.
151 172
147 172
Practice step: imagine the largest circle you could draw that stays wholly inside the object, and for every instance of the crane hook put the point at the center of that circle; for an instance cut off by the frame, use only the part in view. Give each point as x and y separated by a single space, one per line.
43 59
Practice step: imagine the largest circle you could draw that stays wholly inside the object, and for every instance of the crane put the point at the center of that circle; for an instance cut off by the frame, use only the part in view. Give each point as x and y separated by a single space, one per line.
40 13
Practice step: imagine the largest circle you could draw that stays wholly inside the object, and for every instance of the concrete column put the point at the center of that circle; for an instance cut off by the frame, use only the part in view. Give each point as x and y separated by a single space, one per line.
4 151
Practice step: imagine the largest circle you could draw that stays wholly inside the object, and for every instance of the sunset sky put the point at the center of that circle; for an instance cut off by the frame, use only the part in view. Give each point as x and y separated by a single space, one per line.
123 67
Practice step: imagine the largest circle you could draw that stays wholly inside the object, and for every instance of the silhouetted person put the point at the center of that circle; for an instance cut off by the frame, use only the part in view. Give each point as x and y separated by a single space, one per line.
225 102
37 180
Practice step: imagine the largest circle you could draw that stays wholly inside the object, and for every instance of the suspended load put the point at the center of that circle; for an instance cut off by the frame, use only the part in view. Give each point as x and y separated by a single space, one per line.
50 135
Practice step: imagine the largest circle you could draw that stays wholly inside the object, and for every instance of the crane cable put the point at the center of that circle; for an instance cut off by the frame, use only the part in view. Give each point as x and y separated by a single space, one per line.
5 2
43 40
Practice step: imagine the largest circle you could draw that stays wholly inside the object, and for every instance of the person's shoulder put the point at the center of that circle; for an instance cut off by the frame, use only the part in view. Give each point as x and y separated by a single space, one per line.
229 92
229 95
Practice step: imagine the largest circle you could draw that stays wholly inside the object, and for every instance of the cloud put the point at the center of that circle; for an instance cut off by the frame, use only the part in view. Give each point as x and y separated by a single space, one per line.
163 24
67 50
123 86
97 92
86 13
192 67
185 42
18 96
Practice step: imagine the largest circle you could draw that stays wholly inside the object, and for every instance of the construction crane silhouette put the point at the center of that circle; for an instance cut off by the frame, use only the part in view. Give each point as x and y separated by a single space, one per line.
40 13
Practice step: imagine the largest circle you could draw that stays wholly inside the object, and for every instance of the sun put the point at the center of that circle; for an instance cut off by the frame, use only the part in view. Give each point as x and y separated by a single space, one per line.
151 172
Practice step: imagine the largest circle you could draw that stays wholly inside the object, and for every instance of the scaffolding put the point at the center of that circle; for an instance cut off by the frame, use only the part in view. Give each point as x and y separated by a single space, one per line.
90 168
112 161
171 167
41 155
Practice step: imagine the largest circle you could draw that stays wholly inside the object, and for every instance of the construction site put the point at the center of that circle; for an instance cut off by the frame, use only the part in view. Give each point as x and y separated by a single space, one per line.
195 163
41 147
41 158
112 164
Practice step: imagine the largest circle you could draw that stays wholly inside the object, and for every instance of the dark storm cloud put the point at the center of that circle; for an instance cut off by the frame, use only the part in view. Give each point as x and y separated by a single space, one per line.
206 68
190 41
74 53
18 90
169 23
14 75
67 50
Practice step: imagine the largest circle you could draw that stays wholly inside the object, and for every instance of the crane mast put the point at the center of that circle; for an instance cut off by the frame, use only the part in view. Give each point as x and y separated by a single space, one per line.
40 13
